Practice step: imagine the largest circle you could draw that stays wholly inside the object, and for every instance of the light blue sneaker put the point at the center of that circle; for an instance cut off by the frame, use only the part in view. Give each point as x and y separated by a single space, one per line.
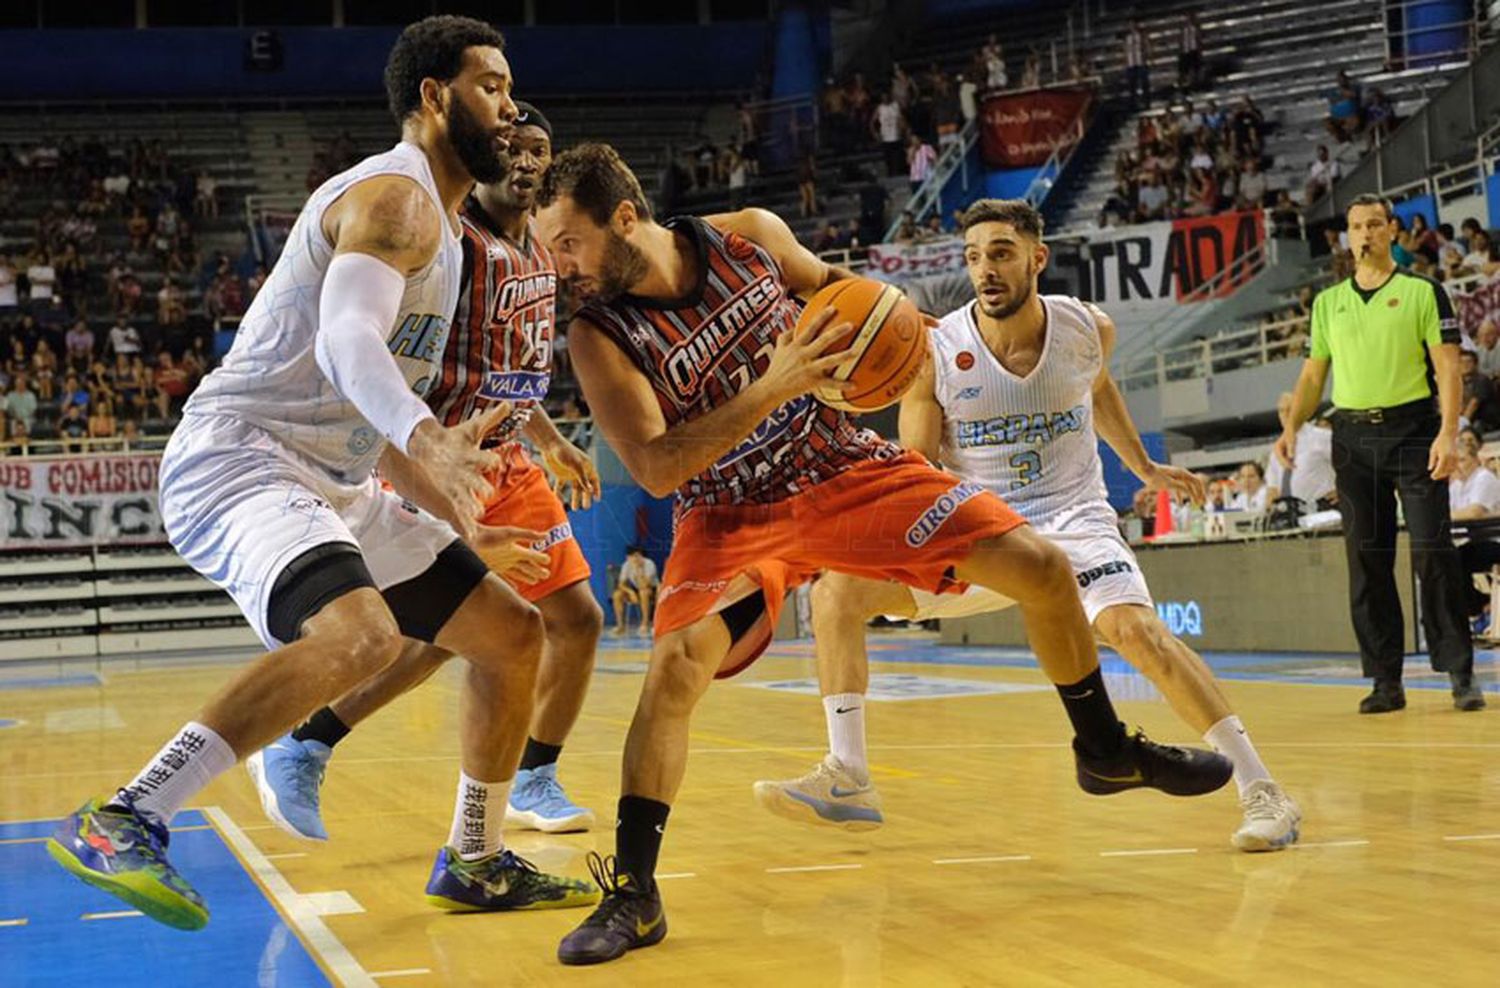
287 774
537 802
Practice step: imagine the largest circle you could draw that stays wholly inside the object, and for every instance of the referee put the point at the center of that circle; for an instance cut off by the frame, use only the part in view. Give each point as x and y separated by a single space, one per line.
1387 334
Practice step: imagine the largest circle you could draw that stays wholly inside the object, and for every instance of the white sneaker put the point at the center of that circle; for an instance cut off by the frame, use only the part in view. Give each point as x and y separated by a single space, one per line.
1271 818
828 794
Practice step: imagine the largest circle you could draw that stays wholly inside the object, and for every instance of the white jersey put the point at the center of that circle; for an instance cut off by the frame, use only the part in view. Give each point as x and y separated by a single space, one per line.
270 377
1029 439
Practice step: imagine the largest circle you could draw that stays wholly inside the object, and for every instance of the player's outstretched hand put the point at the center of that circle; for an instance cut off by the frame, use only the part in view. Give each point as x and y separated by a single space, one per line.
571 467
508 551
1164 476
801 362
456 467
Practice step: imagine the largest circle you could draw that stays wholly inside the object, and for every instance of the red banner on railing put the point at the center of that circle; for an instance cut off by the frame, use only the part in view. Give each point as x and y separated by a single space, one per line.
1022 129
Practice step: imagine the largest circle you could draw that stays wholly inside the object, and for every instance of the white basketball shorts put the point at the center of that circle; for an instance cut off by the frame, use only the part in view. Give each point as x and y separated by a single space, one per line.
238 507
1107 570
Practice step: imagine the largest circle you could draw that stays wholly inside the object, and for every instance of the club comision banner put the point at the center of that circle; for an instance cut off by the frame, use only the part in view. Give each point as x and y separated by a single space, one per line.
79 501
916 260
1018 129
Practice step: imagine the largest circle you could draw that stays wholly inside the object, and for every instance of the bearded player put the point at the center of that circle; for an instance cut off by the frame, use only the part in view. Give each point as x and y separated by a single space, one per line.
268 489
1017 384
688 356
499 350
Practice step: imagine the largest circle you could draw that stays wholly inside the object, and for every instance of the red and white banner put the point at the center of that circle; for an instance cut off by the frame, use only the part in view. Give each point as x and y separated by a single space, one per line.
107 499
1163 263
1021 129
916 260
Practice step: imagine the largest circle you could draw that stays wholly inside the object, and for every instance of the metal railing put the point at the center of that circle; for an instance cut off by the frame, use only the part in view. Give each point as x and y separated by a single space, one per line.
1468 25
1252 346
90 445
1233 276
954 159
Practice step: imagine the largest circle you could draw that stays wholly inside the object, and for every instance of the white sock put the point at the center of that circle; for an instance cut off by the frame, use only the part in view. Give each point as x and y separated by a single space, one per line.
478 815
846 732
180 770
1228 738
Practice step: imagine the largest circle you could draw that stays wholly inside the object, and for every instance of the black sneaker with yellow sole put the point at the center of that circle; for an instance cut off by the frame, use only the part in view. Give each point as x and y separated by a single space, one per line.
1143 764
628 918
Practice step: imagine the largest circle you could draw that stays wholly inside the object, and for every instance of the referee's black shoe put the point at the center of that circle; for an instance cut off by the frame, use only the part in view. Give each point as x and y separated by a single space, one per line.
1387 696
1467 694
1143 764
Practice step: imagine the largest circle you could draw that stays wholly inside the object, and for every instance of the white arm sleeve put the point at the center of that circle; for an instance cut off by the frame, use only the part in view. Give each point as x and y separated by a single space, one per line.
361 298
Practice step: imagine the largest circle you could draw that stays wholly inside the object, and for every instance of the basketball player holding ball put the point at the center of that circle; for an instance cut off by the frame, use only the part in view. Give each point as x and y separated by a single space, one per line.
689 353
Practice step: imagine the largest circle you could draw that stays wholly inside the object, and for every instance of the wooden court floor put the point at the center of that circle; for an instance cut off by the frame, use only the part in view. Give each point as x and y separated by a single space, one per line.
992 869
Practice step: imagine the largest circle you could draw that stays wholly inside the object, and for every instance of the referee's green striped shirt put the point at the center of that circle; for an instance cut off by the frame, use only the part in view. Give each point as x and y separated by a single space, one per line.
1378 339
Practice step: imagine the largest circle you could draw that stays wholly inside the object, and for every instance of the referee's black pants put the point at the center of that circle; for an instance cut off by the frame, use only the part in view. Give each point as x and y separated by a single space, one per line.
1372 462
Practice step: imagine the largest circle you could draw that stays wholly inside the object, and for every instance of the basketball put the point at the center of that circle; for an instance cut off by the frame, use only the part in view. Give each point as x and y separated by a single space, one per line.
887 347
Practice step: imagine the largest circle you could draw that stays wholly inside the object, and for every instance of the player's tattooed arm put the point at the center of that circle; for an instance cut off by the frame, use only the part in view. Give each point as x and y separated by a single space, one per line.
921 419
389 217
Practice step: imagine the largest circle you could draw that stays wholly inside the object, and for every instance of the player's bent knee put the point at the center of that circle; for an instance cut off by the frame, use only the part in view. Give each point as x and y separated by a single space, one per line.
573 616
677 677
356 635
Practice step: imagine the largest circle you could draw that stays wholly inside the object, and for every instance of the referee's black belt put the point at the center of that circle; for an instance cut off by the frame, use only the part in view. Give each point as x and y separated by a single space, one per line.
1420 409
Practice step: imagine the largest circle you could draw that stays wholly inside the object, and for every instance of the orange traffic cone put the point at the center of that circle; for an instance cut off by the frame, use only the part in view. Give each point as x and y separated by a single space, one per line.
1163 522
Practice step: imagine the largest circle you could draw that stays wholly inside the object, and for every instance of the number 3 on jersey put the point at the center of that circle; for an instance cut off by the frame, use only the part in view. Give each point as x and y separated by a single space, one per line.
1028 467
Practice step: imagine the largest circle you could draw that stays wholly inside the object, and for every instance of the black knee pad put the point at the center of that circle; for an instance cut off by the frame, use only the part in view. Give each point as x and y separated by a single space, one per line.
426 602
309 582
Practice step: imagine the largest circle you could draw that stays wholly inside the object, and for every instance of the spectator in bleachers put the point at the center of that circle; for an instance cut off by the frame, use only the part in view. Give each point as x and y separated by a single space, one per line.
206 195
907 232
947 117
921 158
79 344
171 304
1379 116
73 392
1478 257
1311 479
1247 127
44 369
873 199
886 126
1481 407
827 239
1321 175
172 385
139 229
124 338
1487 348
1417 238
9 293
738 172
1399 252
18 438
253 285
1473 491
1151 199
101 421
225 298
992 58
1250 488
1344 108
1137 63
1203 193
41 278
1252 185
21 401
1190 74
128 384
903 87
72 425
1031 71
968 98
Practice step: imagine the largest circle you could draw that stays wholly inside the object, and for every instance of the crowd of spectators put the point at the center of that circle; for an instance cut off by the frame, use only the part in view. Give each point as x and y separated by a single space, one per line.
107 301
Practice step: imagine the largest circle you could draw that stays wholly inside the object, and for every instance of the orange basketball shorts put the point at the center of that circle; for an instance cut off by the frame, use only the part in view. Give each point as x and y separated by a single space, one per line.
522 497
900 519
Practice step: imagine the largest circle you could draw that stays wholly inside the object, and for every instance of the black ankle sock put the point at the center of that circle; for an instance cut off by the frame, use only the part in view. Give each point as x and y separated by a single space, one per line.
638 833
323 726
537 754
1095 723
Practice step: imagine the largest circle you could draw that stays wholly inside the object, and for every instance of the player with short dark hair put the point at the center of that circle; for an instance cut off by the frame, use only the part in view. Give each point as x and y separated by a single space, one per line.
688 351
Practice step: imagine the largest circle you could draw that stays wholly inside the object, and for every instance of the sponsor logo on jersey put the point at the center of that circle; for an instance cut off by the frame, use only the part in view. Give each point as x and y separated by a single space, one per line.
515 385
721 330
941 510
419 337
522 292
969 394
1112 568
738 247
555 535
771 429
691 586
964 360
1037 427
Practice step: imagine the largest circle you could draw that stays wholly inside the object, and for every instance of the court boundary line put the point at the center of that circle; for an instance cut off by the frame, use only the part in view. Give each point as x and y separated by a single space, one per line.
327 949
